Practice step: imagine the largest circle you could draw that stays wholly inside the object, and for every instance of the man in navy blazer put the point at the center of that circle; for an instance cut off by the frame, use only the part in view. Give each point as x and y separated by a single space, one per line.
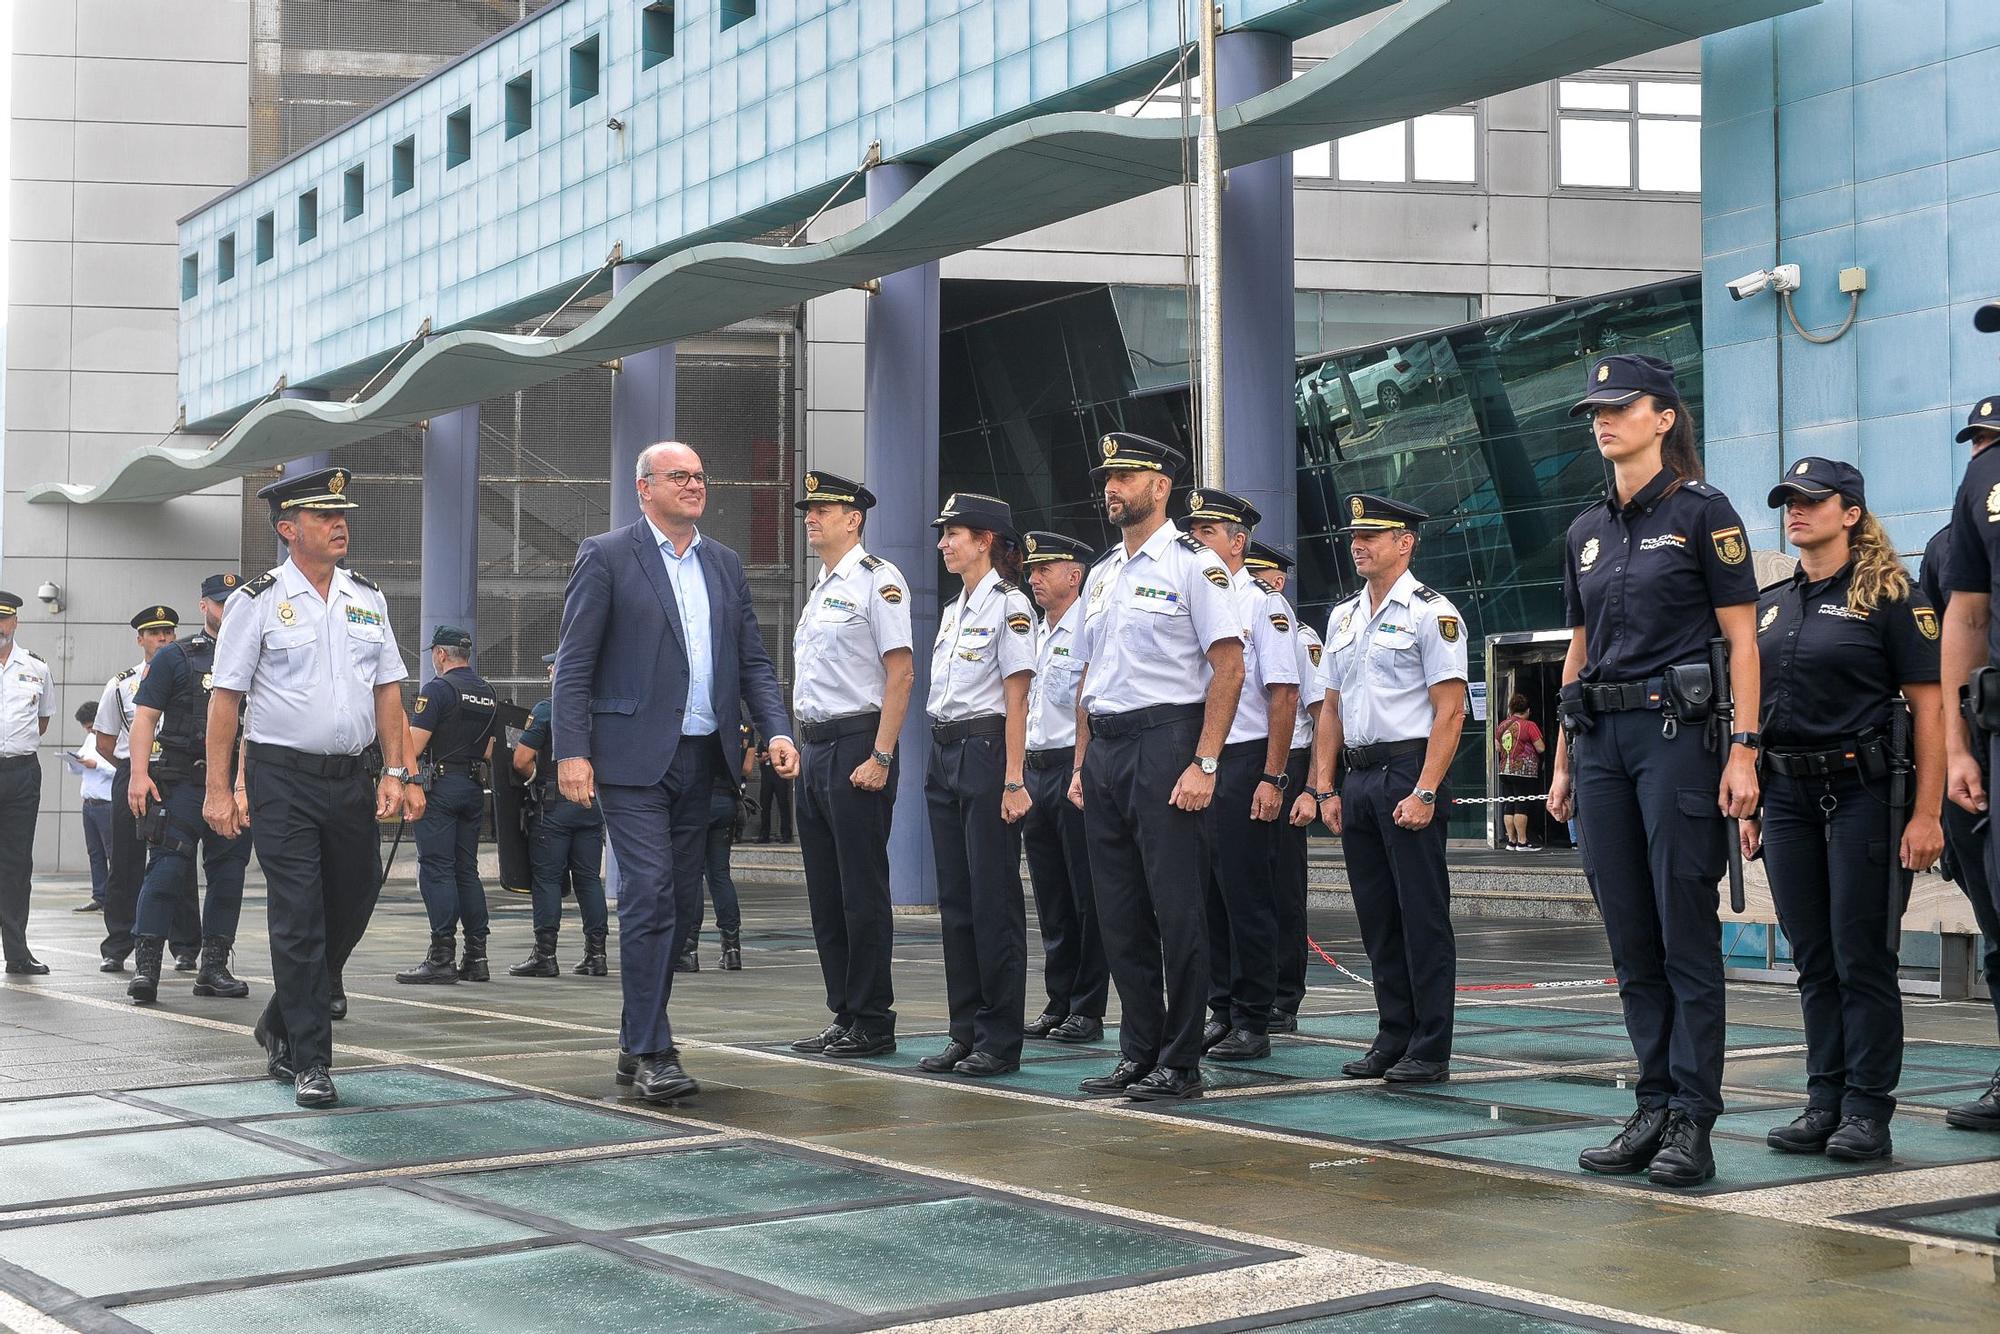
660 653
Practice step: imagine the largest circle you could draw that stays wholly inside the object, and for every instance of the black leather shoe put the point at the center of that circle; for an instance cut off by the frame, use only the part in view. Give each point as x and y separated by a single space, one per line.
111 963
1042 1025
277 1054
1632 1148
29 966
946 1060
857 1042
1860 1139
983 1063
187 961
1372 1066
337 1002
660 1078
1684 1158
1213 1032
1807 1132
628 1068
689 962
1410 1070
88 905
1166 1085
817 1043
1982 1113
314 1088
1077 1028
1282 1023
1240 1045
1123 1076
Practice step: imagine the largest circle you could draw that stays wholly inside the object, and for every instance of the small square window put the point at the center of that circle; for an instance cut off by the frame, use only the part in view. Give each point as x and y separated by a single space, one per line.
190 276
1577 96
267 238
583 70
225 259
458 138
308 216
403 166
656 34
1595 154
520 105
735 11
353 193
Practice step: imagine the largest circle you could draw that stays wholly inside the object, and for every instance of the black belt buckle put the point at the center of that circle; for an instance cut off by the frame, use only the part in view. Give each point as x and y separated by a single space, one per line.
1052 758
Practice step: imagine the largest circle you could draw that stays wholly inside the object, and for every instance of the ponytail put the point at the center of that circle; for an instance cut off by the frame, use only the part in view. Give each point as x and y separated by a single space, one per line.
1879 575
1677 450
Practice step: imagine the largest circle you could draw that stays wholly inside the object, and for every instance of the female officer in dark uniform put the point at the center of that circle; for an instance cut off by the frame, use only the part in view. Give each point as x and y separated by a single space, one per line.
1836 641
1651 576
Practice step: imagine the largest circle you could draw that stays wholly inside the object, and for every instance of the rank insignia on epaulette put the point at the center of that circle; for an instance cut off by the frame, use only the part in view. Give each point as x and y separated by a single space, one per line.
872 562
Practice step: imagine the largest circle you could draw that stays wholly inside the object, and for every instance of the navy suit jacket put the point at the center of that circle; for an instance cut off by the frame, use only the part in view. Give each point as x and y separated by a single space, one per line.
622 663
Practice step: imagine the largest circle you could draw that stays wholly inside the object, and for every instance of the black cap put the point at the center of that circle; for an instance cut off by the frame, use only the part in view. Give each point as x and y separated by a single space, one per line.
322 490
549 658
1987 318
969 509
451 636
1047 548
1623 376
1122 449
218 587
10 604
1262 557
824 487
1817 478
1985 416
156 618
1375 514
1209 504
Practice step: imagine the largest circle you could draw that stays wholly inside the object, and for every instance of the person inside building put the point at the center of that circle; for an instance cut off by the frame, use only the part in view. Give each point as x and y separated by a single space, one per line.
1652 577
1518 747
566 843
1837 641
27 702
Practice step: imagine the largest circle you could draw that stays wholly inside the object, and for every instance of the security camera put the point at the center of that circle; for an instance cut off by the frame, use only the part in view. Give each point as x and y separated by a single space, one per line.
1784 278
51 596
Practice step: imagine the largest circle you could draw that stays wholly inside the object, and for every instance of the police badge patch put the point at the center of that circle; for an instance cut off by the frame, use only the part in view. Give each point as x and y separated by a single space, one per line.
1927 621
1770 615
1730 548
423 703
890 593
1587 557
1282 622
1313 651
1019 622
1216 575
1448 628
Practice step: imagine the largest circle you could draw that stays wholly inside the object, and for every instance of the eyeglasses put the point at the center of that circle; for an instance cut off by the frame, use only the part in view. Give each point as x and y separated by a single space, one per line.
680 478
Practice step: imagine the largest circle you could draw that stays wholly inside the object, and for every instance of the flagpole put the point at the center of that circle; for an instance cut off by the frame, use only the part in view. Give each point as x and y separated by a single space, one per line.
1210 180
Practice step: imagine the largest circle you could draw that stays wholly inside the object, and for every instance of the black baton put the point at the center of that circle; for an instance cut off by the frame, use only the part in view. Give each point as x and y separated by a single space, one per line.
1725 715
1899 814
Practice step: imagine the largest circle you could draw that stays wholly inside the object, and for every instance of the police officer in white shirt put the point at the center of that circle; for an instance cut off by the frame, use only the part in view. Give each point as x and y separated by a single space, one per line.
1272 568
1073 968
981 664
1163 643
27 699
1250 799
852 672
1394 680
308 645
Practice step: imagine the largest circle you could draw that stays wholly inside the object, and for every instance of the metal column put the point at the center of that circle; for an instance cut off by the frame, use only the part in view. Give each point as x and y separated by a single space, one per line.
642 411
450 590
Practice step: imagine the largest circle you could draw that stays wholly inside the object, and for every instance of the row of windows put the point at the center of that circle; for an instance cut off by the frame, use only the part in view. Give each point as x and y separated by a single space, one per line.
586 67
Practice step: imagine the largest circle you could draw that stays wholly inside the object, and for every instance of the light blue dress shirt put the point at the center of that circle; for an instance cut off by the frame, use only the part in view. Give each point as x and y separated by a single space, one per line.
691 596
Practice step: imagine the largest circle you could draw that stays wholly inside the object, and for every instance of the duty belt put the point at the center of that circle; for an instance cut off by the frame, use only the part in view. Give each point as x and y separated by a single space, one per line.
986 724
1811 763
1056 757
846 725
305 761
1138 720
1380 753
1624 696
470 768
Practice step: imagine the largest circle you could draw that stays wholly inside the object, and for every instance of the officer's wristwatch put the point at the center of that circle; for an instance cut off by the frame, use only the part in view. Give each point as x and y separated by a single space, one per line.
885 758
1208 763
1279 781
399 774
1426 795
1754 740
1013 787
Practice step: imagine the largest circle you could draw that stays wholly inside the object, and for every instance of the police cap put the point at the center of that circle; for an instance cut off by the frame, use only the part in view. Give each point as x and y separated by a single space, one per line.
1047 548
218 587
1985 415
1816 479
823 487
1622 377
1124 450
969 509
1210 505
156 618
10 604
322 490
1262 557
1374 514
451 636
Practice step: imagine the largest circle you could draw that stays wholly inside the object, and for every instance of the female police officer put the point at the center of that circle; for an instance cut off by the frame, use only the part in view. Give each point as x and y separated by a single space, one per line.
1836 640
981 666
1651 576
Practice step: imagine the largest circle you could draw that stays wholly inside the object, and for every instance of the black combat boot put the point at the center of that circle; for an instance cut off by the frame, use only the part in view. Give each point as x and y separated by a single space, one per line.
689 962
732 951
215 979
541 961
472 963
144 988
437 965
186 958
593 963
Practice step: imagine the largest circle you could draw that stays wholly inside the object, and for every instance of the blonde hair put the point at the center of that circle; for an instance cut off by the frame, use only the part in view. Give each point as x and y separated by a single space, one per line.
1879 575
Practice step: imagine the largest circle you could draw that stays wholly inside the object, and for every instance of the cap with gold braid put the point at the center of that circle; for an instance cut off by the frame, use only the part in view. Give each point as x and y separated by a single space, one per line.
1261 557
10 604
823 487
322 490
1121 450
1046 548
969 509
1375 514
1212 506
156 618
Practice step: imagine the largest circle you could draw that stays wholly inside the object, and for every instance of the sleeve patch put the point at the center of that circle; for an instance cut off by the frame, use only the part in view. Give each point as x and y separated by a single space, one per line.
423 702
1314 651
1282 622
1020 622
1448 628
1216 575
1730 548
1927 621
890 593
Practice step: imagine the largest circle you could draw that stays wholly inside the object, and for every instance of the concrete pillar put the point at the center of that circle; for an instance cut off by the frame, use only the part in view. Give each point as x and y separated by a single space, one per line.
642 411
450 588
1260 436
899 446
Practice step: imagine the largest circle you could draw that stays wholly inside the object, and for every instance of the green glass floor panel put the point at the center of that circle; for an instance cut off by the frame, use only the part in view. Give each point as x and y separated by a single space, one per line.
1533 1016
362 1088
487 1129
1041 1053
1578 1096
1370 1114
151 1160
911 1255
1976 1224
1945 1097
1918 1139
1060 1078
1784 1073
1300 1060
1544 1046
1735 1035
245 1239
1739 1163
1344 1027
1980 1061
79 1115
1428 1315
616 1193
563 1287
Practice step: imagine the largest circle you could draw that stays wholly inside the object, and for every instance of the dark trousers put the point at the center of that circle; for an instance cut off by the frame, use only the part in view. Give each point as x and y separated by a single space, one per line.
1829 879
844 841
1073 968
1653 849
1968 857
170 875
569 841
128 873
448 855
20 800
722 808
1292 843
777 802
97 844
317 842
1402 896
659 833
1242 895
1147 863
980 906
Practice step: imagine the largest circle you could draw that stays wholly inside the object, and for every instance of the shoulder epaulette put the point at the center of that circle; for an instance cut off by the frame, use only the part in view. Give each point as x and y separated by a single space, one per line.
260 583
1188 540
1427 594
872 562
1700 488
364 580
36 656
1008 586
129 671
1774 585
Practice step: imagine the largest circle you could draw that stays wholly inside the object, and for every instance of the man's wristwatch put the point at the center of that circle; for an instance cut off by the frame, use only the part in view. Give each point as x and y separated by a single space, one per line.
1279 781
1013 787
1208 763
1754 740
1426 795
885 758
399 774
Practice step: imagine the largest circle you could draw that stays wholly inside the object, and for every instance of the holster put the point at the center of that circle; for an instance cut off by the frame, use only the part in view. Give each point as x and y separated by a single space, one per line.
1985 699
1690 688
1572 711
156 830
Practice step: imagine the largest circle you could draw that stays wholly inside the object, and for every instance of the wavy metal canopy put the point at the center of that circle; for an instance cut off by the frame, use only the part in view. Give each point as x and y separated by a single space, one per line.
1426 55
